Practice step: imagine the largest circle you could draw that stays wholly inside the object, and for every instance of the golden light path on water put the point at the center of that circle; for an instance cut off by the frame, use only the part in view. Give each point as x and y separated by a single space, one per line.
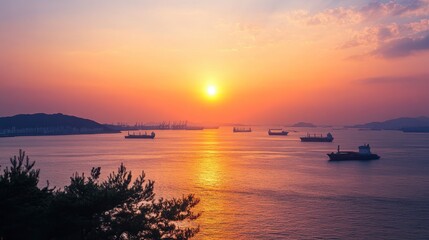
211 171
209 165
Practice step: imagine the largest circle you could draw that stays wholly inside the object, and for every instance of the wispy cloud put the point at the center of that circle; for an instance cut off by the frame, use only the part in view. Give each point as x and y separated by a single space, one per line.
403 47
372 35
397 80
335 15
395 8
379 35
385 29
370 12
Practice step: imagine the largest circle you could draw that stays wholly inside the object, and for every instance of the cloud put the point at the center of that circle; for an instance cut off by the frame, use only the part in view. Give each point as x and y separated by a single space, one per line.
336 15
370 12
403 47
394 80
377 36
395 8
249 34
391 29
419 26
373 35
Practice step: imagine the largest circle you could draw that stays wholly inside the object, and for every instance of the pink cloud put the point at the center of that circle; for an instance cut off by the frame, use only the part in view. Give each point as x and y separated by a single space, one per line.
369 13
403 47
373 35
336 15
394 8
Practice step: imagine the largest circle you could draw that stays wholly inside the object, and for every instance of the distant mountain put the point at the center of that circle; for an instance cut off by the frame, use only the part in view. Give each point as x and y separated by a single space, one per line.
303 124
416 129
49 124
418 124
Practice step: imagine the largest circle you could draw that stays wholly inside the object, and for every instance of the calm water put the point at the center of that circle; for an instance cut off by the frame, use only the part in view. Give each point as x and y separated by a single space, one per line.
253 186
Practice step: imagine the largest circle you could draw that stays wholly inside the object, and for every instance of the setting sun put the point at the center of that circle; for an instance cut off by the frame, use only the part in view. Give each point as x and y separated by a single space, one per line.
246 115
211 91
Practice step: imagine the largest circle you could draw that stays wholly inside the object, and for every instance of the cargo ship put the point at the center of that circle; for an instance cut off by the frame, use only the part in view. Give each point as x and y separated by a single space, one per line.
277 132
363 154
315 138
138 136
239 130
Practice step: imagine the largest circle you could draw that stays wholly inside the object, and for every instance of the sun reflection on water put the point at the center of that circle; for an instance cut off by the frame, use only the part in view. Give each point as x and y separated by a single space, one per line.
211 171
209 163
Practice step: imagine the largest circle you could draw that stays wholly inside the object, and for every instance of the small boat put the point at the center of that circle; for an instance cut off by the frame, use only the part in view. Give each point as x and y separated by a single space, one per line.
363 154
145 135
238 130
314 138
277 132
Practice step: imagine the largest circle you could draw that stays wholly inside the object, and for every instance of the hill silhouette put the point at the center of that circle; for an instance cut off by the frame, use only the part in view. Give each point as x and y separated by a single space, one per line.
50 124
303 124
406 124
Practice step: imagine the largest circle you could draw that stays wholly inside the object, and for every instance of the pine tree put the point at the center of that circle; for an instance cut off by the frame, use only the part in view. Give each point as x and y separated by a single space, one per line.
88 208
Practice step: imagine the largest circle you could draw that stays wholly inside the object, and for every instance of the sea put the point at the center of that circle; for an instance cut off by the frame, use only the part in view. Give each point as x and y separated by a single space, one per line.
256 186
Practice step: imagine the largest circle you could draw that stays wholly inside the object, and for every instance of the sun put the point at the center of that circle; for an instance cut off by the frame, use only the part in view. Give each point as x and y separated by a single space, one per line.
211 91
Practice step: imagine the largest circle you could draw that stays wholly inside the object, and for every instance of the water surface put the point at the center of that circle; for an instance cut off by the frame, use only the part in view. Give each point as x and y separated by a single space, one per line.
255 186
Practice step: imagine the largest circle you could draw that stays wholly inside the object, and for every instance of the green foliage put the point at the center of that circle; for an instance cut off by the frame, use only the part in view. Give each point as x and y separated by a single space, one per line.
116 208
23 205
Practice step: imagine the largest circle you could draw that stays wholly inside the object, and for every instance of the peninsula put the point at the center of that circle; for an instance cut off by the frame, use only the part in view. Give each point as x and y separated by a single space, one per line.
405 124
304 125
41 124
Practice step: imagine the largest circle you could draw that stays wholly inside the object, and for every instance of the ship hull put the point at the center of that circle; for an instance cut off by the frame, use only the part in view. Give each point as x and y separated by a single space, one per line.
278 133
352 157
241 130
307 139
194 128
140 137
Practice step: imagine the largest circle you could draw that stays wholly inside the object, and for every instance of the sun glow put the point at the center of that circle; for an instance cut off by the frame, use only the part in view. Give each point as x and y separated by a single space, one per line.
211 91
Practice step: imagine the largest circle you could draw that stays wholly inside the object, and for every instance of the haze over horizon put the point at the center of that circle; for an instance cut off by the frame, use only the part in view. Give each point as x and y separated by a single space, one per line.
263 62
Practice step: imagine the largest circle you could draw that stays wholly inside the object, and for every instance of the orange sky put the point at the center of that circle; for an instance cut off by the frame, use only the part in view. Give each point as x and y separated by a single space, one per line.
327 62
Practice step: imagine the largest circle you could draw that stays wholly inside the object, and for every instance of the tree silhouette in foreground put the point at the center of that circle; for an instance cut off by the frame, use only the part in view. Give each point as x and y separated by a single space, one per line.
88 208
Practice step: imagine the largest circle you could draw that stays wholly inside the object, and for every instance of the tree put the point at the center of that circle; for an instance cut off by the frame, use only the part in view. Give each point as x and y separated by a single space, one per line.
88 208
23 205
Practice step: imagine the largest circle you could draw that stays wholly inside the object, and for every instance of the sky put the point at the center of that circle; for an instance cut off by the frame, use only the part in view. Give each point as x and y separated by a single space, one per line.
271 61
